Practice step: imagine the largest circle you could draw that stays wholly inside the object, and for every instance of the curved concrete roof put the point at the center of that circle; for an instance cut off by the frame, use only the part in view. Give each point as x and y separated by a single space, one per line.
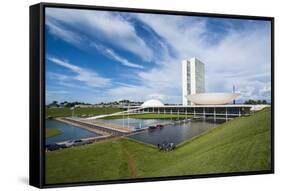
212 98
152 103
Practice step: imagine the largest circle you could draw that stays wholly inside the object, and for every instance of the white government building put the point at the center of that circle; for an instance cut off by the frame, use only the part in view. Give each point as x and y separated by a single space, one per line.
193 86
195 101
193 78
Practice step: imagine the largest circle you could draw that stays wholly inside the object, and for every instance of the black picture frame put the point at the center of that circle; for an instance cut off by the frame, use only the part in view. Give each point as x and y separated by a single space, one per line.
37 93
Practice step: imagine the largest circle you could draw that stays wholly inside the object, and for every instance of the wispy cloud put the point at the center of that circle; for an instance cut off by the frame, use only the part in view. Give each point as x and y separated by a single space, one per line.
86 44
139 93
88 77
69 36
113 55
244 51
238 55
57 76
57 92
113 28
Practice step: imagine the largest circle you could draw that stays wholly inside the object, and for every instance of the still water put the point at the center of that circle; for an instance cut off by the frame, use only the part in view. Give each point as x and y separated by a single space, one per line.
70 132
135 123
175 133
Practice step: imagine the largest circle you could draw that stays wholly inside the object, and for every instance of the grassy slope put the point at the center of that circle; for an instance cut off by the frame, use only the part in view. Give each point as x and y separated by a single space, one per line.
51 132
239 145
149 116
64 112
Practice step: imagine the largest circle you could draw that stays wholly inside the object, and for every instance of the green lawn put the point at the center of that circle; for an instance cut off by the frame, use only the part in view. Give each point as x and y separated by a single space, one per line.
65 111
51 132
150 116
242 144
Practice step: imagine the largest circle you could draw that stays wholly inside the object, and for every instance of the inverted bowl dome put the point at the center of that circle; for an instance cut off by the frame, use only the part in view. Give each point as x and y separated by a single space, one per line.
212 98
152 103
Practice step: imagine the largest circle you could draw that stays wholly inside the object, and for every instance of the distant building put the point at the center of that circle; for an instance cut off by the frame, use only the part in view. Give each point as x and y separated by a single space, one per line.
193 78
83 105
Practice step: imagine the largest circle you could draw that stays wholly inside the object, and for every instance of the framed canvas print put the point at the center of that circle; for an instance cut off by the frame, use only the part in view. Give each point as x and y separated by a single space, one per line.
123 95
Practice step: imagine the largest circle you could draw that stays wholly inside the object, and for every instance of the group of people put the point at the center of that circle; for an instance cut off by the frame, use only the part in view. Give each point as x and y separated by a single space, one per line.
166 146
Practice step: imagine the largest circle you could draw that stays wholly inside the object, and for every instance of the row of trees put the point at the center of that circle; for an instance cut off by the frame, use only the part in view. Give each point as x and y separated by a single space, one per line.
125 102
72 104
65 104
255 102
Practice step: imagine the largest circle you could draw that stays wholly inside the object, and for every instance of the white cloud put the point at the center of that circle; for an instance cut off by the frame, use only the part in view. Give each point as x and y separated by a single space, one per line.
139 93
86 44
57 92
113 55
66 35
183 34
86 76
240 56
243 54
104 25
57 76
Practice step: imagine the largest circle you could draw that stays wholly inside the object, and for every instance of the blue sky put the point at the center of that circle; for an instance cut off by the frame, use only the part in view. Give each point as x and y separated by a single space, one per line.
95 56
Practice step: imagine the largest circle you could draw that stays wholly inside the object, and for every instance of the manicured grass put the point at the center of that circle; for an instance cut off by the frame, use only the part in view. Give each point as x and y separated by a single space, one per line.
150 116
51 132
242 144
65 111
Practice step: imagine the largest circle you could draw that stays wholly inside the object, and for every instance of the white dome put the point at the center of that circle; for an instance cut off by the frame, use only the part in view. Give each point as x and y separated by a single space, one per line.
152 103
212 98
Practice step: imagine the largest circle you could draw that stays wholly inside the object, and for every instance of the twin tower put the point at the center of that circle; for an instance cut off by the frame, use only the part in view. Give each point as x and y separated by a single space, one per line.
193 78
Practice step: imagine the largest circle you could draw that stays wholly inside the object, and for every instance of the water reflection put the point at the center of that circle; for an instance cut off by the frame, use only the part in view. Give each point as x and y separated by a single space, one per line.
175 133
70 132
135 123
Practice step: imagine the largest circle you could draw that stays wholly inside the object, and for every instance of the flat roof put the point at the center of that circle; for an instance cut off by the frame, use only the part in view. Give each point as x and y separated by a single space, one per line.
191 106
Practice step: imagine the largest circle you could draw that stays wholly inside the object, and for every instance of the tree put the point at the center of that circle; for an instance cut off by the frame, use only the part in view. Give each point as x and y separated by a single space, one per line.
255 102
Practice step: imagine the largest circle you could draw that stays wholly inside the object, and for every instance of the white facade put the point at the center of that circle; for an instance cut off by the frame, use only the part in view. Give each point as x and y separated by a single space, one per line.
193 78
212 98
152 103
